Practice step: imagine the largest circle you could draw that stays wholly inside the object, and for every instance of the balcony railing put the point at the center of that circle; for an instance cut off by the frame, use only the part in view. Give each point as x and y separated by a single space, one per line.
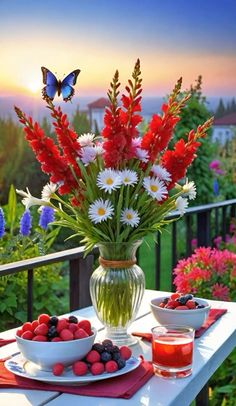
205 221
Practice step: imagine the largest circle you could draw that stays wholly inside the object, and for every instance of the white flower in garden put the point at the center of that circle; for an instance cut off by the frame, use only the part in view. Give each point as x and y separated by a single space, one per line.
99 148
87 155
48 190
86 140
30 200
155 188
161 173
136 142
128 177
130 217
181 204
108 180
189 190
142 154
100 211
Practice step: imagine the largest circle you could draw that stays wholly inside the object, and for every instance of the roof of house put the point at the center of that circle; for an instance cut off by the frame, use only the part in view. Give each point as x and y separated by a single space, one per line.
229 119
99 103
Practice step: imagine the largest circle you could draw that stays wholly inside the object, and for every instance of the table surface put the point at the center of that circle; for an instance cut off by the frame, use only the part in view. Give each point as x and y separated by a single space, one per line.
210 351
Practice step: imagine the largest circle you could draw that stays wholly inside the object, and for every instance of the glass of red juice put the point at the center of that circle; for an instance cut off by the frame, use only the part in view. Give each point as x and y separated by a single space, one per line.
172 351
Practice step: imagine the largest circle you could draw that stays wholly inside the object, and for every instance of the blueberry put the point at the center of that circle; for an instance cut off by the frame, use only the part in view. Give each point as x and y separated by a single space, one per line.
115 349
73 319
52 332
116 356
105 356
189 296
200 306
121 363
98 347
182 300
53 321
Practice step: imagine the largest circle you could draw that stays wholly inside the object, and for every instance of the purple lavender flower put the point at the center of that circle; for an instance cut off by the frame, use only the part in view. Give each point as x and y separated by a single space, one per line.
215 187
2 223
46 217
25 223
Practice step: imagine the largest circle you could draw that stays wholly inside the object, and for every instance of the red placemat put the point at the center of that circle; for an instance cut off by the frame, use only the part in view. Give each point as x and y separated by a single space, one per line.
123 386
213 316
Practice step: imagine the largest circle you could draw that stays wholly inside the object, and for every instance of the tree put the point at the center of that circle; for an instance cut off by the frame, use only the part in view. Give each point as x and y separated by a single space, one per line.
80 122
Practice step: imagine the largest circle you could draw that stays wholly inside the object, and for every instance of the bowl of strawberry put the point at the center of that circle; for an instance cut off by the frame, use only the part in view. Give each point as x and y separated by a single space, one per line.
51 339
180 309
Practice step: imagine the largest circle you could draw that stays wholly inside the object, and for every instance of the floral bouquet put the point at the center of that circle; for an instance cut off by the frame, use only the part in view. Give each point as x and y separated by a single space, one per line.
120 186
209 272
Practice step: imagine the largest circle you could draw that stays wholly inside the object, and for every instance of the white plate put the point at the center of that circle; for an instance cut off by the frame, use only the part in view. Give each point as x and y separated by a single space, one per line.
20 366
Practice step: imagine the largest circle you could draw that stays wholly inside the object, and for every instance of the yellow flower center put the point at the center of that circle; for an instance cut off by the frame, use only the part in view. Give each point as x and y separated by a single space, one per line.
101 211
129 216
126 180
154 188
109 181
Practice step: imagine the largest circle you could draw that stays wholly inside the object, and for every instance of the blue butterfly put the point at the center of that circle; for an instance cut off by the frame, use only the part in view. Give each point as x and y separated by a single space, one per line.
54 86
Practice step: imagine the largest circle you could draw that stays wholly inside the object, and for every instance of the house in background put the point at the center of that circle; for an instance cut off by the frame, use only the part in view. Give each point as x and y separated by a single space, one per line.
224 128
96 112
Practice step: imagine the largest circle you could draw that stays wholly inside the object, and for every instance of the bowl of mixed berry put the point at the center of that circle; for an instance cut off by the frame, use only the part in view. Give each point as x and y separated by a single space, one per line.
180 309
49 340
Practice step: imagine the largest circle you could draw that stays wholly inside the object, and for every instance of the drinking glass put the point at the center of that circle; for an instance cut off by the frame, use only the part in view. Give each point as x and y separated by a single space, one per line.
172 351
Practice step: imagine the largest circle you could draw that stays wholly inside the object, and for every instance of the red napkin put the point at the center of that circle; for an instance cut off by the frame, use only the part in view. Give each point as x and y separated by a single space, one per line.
124 386
4 341
213 316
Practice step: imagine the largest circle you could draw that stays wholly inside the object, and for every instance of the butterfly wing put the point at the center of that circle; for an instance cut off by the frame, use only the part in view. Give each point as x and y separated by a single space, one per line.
52 84
67 83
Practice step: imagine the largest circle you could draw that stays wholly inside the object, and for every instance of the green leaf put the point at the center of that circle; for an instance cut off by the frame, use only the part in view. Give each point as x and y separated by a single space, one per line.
11 211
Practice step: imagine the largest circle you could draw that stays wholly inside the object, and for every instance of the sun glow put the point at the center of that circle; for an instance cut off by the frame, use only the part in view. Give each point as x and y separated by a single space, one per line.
34 86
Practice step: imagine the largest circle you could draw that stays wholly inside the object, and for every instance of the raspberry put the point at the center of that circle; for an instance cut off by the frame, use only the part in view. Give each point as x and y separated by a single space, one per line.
125 352
175 296
111 366
27 326
191 304
35 324
57 369
182 308
19 332
41 330
61 325
27 335
39 338
80 368
80 333
43 318
93 356
85 325
66 335
73 327
56 339
173 303
97 368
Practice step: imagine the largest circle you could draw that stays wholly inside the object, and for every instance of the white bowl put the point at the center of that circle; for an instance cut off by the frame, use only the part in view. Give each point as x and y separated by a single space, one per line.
193 317
46 354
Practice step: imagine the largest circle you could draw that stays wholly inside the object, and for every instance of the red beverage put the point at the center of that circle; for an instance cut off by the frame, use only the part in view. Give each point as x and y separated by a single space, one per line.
172 351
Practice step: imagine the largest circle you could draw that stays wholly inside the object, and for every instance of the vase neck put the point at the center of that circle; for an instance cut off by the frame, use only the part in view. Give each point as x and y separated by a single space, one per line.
124 251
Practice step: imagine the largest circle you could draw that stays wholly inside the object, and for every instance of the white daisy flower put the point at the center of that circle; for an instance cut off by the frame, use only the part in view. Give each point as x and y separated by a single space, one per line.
48 190
161 173
136 142
100 211
189 190
30 200
130 217
128 177
87 155
86 140
142 154
108 180
181 204
155 188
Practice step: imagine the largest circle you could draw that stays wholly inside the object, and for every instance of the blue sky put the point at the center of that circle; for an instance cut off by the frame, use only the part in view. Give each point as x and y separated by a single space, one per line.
172 38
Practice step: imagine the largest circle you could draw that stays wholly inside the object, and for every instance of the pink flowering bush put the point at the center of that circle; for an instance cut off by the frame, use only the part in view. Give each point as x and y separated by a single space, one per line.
209 273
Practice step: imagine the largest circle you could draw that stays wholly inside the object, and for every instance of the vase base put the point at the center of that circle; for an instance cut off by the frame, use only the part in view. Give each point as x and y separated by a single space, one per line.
119 337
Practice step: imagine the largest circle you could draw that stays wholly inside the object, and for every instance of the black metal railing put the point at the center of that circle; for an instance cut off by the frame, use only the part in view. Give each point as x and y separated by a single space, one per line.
203 222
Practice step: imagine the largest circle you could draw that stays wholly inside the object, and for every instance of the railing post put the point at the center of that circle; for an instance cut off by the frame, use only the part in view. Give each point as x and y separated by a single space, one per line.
80 272
202 398
158 262
203 229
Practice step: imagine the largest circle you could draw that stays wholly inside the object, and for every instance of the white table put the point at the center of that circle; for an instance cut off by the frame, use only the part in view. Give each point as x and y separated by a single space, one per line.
210 351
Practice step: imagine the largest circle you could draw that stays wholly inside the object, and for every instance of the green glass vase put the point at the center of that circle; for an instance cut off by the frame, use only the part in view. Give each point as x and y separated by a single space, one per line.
116 289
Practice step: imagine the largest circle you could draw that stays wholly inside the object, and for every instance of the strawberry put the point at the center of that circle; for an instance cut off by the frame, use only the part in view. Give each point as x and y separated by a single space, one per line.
80 333
56 339
85 325
191 304
27 335
182 308
41 330
62 324
66 335
73 327
34 324
175 296
39 338
27 326
19 332
43 318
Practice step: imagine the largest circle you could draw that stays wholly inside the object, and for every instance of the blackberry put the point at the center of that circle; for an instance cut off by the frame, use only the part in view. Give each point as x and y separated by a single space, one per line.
115 349
182 300
108 348
121 363
200 306
116 356
52 332
107 342
196 303
189 296
105 356
53 321
73 319
98 347
165 301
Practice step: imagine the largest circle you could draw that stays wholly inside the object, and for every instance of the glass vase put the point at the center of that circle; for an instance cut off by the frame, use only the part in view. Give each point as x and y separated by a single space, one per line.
116 289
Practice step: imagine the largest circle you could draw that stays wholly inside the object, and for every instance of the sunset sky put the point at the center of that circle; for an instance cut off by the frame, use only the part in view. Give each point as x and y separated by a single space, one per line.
172 38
